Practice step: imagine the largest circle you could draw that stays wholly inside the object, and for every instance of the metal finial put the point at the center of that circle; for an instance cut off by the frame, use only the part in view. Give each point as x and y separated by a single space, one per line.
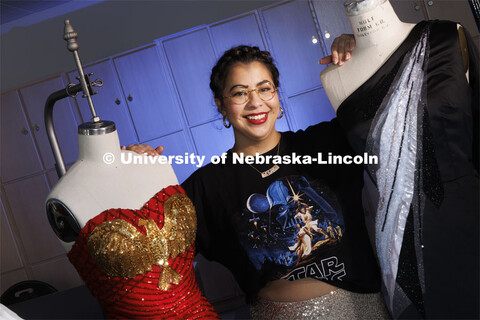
71 37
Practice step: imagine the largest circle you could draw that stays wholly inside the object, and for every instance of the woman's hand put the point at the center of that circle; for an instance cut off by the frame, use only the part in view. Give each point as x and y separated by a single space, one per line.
144 149
341 50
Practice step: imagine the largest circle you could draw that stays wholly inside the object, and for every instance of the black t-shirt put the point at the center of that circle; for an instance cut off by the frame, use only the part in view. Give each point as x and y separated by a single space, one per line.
304 220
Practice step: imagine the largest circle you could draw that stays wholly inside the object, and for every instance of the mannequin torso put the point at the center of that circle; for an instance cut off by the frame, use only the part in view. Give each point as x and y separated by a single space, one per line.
92 185
378 33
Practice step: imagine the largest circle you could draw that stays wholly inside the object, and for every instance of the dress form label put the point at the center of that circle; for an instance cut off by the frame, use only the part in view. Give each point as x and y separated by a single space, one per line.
368 26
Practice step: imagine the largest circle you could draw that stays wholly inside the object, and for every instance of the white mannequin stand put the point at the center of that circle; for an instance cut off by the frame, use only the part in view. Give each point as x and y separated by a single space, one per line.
91 185
378 33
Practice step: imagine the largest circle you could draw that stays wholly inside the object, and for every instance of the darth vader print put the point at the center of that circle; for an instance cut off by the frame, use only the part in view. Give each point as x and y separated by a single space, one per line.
294 224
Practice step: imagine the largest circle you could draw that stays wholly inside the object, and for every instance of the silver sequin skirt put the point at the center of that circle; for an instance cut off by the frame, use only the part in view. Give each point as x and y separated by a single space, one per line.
338 304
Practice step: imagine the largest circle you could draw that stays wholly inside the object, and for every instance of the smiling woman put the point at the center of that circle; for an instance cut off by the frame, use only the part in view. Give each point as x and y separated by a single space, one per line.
247 213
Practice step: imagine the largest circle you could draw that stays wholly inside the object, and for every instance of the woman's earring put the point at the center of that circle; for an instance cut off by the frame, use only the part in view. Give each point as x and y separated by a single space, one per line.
281 114
229 124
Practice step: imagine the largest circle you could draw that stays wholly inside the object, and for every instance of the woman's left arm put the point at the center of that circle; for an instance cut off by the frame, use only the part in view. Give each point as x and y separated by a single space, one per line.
341 50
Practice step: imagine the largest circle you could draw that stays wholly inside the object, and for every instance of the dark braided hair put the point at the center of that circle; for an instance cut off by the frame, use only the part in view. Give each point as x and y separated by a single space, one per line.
240 54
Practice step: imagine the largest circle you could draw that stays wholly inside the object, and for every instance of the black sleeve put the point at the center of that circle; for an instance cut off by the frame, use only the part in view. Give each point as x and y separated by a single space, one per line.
216 238
205 238
324 137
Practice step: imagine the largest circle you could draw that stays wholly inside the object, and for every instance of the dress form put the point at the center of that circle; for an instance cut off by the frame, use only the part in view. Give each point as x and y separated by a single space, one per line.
378 33
91 185
415 281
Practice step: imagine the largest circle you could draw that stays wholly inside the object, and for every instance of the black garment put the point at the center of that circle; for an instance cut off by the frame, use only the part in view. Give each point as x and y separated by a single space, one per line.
449 231
248 224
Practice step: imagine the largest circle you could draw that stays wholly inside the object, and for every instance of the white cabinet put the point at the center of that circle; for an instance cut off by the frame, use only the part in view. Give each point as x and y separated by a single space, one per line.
243 30
18 153
191 58
332 21
64 119
150 96
11 259
137 95
177 144
293 39
58 272
109 101
212 138
26 200
12 277
29 246
310 108
43 257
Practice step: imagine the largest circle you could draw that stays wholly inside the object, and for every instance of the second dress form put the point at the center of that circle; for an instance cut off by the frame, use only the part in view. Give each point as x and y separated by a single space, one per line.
378 33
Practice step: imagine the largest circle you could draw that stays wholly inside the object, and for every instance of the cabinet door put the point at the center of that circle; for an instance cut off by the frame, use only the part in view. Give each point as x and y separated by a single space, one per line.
64 120
212 138
310 108
10 257
108 102
26 199
239 31
177 144
58 272
191 58
8 279
290 28
19 156
149 94
332 20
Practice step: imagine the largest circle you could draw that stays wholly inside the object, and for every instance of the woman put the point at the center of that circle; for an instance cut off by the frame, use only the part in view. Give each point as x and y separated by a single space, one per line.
246 212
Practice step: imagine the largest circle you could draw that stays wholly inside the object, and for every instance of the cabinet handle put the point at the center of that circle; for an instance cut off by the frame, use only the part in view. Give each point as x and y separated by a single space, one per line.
129 98
117 101
430 3
36 127
97 83
326 34
24 131
416 6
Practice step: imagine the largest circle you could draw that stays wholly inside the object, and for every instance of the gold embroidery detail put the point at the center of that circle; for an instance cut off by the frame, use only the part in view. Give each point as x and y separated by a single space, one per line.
119 249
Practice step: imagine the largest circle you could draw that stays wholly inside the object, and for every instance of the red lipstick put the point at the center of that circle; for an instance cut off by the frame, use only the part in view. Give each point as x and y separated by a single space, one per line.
257 118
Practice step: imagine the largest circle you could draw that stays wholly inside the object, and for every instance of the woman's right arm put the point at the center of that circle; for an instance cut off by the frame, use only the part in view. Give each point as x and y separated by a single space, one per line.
144 148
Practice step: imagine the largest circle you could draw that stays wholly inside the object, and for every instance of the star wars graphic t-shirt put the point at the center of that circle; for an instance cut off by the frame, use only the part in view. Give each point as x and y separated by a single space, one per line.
303 219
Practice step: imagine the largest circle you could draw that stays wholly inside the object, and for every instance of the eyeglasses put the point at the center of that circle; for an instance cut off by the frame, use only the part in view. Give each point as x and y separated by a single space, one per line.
265 91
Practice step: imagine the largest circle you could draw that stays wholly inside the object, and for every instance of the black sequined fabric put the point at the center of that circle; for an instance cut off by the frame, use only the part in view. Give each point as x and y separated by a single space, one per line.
438 271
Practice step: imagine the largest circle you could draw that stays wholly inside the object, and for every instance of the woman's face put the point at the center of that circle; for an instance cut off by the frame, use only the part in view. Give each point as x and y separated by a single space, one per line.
253 121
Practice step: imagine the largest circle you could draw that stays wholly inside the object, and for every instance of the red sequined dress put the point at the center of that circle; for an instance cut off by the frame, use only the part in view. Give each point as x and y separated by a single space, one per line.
139 263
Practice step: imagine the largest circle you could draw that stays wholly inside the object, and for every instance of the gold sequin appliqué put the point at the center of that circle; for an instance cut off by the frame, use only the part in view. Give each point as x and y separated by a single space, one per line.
119 249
